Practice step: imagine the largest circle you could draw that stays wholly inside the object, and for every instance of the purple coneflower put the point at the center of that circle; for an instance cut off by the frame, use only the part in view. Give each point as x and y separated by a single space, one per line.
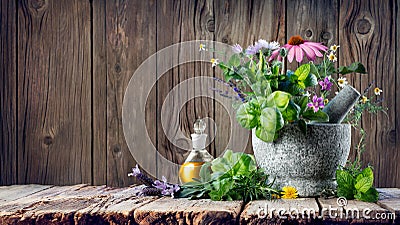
296 46
316 104
326 84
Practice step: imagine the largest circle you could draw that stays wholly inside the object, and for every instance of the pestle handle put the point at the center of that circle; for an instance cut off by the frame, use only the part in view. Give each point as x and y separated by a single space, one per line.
341 104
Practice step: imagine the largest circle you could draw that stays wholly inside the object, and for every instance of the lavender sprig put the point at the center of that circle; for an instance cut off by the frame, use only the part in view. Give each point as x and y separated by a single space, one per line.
141 176
232 85
150 191
166 188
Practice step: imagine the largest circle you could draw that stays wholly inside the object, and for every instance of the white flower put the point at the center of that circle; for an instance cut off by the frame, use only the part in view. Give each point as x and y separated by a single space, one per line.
377 91
364 99
265 44
307 94
214 62
342 82
332 57
202 47
334 47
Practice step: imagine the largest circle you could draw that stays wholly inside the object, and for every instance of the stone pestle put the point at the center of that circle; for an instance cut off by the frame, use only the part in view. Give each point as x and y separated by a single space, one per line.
341 104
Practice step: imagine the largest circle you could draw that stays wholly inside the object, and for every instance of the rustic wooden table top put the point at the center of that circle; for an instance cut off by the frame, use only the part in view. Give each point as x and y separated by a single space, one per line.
83 204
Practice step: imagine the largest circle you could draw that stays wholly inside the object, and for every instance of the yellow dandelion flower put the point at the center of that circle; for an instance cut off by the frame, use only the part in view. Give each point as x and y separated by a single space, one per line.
214 62
334 47
332 57
326 101
377 91
289 192
364 99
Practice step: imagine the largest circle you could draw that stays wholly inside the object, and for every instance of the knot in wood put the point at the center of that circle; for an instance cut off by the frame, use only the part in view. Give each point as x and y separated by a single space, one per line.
38 4
392 136
225 40
211 26
117 68
326 35
363 26
308 33
48 140
117 149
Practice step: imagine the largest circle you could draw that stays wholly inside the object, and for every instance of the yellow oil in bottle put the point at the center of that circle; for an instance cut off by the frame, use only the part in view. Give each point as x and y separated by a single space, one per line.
190 170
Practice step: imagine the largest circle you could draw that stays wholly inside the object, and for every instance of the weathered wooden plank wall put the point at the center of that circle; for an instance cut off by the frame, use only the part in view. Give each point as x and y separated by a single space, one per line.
65 66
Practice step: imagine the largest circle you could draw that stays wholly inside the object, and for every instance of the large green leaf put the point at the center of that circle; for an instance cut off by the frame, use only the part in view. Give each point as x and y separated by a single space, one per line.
233 163
371 195
278 99
355 67
364 184
319 116
234 60
271 121
246 115
311 80
345 184
302 72
291 113
205 172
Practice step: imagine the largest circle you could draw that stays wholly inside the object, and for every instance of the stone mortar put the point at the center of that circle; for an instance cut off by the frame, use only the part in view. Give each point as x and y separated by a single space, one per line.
306 162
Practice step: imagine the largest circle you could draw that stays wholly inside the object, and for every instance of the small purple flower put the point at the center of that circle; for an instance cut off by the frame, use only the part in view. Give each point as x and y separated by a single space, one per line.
325 84
237 48
135 171
140 176
166 188
317 103
251 50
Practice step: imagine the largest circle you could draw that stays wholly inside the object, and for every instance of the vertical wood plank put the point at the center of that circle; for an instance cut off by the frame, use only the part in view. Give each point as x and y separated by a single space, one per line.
301 20
179 21
99 92
54 89
243 22
130 33
395 134
367 34
8 81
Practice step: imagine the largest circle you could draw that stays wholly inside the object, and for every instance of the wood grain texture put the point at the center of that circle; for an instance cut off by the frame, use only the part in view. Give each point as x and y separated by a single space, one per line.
54 88
175 28
99 92
8 95
255 20
65 66
367 34
130 33
184 211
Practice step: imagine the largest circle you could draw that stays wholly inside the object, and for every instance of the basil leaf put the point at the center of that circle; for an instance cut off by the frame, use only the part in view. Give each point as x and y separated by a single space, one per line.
345 184
364 184
319 116
302 72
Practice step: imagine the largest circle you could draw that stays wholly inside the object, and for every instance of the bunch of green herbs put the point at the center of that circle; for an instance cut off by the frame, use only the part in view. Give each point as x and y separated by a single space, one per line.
234 176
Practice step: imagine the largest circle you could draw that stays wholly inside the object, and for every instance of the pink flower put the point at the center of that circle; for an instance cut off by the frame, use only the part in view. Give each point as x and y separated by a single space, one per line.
296 46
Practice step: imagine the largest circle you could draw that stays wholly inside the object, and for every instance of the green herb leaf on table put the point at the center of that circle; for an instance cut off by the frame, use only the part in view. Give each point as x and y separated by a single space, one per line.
234 176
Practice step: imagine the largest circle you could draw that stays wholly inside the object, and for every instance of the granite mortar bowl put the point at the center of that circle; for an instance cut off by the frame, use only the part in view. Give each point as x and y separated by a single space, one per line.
306 162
